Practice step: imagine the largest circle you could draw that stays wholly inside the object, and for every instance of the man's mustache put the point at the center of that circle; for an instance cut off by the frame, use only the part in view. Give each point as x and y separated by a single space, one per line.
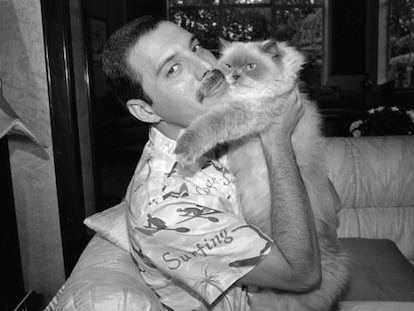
212 79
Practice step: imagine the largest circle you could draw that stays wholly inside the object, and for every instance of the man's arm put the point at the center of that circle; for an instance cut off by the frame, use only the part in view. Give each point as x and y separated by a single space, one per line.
294 262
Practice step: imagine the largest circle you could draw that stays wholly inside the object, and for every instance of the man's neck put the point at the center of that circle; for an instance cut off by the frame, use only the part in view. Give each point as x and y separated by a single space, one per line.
169 130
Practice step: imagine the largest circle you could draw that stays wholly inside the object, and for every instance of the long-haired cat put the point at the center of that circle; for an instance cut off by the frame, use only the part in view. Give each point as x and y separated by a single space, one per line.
262 77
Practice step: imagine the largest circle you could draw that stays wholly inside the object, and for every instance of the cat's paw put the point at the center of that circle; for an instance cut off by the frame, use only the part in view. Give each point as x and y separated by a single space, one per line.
188 150
185 160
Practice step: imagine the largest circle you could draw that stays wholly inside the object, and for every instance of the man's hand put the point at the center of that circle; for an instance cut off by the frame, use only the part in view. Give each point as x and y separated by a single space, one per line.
290 114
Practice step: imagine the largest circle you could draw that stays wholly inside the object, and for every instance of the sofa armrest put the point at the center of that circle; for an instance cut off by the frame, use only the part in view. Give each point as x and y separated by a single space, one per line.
373 177
105 278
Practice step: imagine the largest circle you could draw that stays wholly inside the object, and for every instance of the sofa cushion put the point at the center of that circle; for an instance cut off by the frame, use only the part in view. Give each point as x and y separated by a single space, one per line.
105 278
379 271
111 225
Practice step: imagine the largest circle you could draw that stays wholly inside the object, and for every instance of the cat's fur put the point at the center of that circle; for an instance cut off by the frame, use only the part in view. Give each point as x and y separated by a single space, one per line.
251 104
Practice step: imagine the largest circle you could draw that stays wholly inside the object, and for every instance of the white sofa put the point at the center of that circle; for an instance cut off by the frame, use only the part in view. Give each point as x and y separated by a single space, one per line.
374 178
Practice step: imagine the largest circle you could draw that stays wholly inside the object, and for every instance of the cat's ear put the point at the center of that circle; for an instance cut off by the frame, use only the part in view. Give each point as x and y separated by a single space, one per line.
270 47
224 43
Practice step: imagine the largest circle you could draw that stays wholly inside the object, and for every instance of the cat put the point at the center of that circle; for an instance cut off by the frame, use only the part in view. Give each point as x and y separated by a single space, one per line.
262 77
248 104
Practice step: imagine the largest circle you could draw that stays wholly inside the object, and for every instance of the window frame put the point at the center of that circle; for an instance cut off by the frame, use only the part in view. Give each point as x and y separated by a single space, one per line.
385 74
221 7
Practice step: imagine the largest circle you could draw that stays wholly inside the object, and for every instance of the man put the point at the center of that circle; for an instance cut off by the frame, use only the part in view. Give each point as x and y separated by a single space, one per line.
187 233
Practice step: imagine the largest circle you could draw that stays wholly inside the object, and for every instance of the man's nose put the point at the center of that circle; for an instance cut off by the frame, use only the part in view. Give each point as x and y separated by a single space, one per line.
202 68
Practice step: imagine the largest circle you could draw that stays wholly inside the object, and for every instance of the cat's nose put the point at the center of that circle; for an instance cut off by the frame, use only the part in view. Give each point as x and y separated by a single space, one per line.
236 76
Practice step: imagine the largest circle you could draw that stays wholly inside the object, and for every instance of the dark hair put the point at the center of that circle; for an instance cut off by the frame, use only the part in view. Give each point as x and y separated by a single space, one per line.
124 81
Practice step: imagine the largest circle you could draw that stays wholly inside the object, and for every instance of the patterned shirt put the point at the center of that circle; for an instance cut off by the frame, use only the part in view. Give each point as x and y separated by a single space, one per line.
187 233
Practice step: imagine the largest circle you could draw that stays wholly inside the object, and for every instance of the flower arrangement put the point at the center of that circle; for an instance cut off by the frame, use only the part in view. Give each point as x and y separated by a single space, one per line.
382 121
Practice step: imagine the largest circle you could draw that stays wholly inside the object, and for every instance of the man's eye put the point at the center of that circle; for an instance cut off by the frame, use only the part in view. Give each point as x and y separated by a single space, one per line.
251 66
196 47
173 69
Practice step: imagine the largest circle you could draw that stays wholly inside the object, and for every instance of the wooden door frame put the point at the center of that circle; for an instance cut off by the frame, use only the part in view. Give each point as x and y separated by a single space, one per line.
66 149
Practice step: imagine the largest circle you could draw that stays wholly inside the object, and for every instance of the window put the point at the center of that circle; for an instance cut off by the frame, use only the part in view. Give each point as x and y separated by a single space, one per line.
401 42
300 22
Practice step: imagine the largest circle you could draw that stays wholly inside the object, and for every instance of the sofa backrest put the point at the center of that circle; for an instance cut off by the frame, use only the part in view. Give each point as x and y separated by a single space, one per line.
374 178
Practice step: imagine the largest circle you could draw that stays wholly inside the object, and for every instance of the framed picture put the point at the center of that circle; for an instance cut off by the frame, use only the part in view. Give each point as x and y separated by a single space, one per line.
98 37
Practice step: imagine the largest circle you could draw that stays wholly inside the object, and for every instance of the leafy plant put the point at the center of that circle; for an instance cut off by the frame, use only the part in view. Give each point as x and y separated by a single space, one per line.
382 121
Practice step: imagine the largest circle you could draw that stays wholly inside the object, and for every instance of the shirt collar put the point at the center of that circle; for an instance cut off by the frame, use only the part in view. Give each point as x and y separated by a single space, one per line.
161 142
167 145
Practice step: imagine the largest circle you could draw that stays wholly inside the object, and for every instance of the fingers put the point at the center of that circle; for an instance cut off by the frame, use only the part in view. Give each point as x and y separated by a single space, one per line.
291 113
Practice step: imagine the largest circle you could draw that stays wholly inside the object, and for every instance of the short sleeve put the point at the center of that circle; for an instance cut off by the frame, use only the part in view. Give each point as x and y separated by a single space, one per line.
199 243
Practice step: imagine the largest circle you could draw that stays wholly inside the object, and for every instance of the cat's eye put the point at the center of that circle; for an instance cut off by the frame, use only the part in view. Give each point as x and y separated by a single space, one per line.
250 66
228 66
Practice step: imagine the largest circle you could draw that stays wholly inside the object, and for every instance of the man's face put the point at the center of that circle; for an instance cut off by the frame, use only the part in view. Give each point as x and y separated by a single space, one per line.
173 68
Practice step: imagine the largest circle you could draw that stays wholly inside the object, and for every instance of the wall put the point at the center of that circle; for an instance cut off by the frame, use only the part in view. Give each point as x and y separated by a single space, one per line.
362 36
23 72
347 43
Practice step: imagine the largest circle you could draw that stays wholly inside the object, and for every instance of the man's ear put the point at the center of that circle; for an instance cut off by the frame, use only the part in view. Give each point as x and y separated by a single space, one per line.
142 111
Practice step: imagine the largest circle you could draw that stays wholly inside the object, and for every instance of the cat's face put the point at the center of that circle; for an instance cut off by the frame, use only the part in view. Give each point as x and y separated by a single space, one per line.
259 65
243 66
